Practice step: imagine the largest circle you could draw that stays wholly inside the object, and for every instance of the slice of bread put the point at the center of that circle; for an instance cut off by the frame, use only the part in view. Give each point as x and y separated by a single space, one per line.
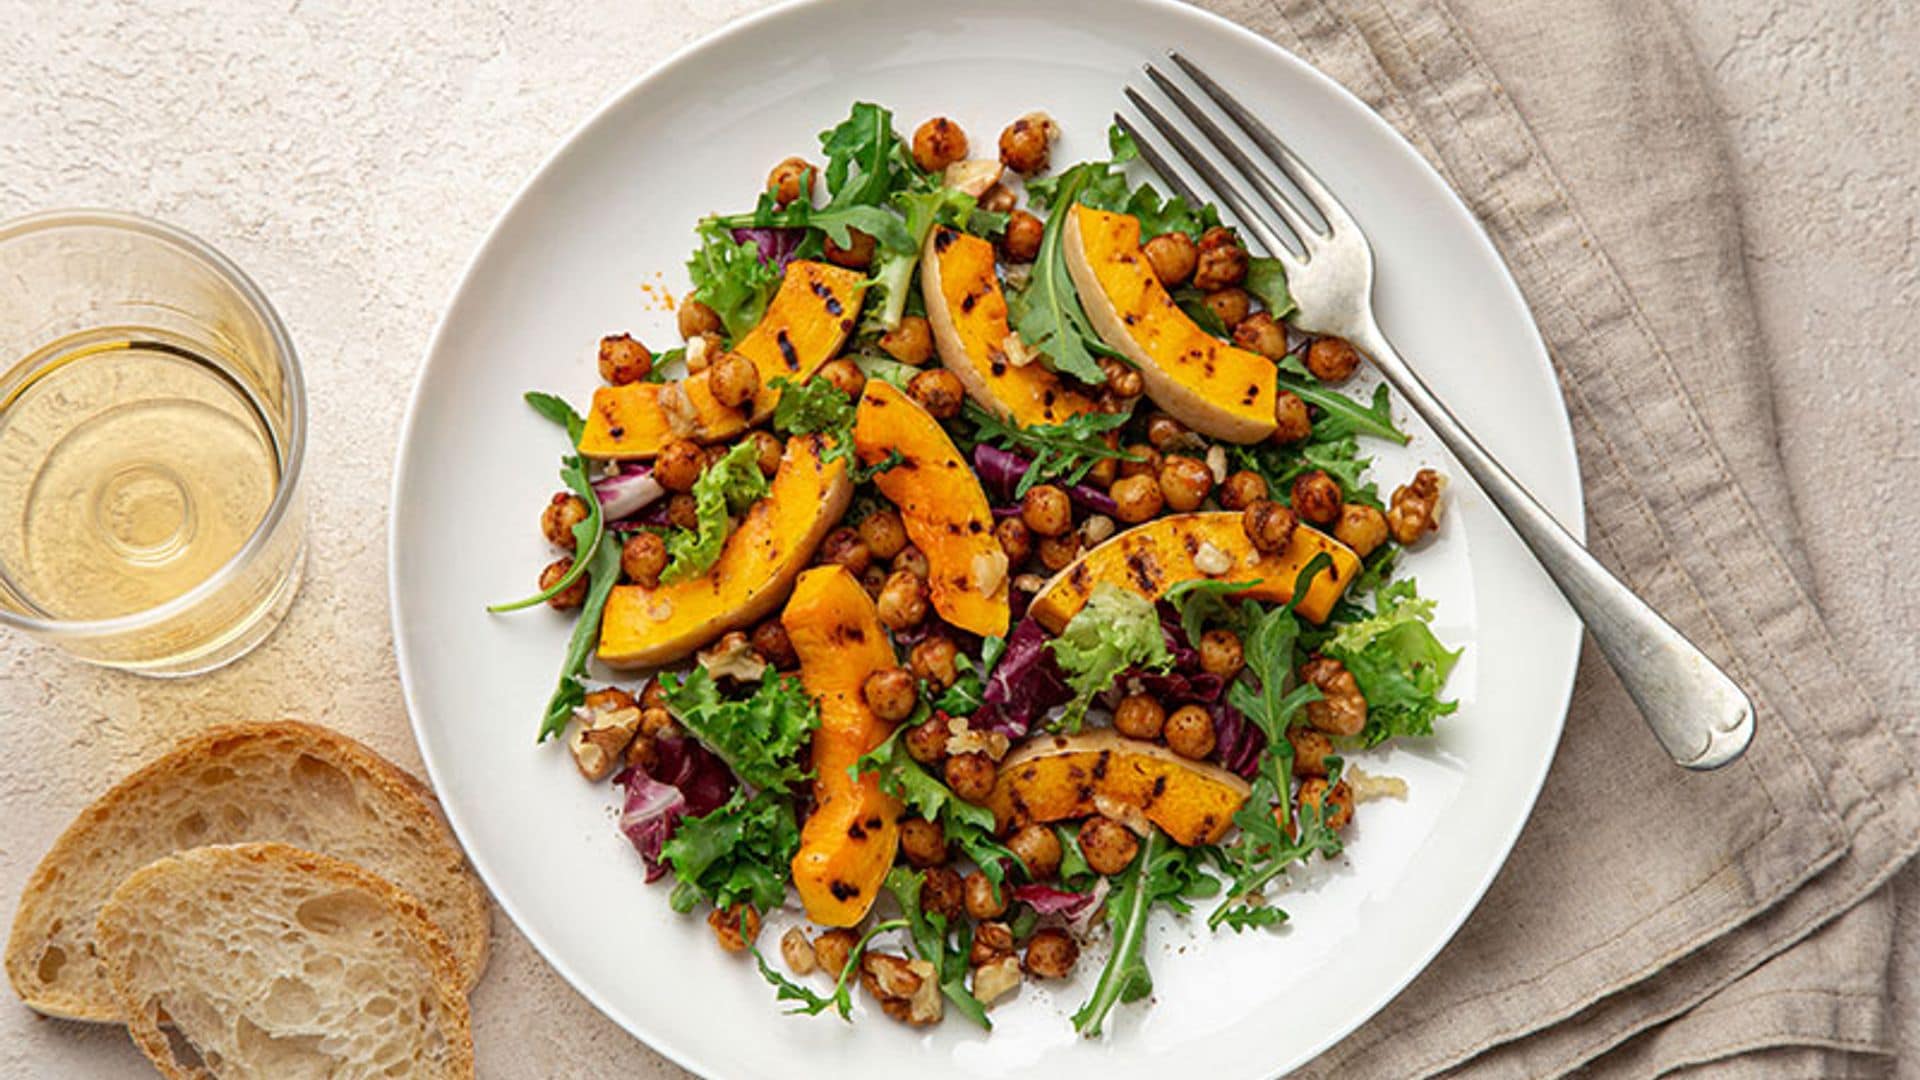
288 782
263 960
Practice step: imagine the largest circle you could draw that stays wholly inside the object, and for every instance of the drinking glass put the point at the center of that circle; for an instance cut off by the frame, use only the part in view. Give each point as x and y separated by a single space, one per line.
152 425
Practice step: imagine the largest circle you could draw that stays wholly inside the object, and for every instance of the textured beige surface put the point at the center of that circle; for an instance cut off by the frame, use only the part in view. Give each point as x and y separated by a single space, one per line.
352 158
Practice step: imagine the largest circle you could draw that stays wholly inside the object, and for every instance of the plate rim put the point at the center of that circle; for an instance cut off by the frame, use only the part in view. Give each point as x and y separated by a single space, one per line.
665 1042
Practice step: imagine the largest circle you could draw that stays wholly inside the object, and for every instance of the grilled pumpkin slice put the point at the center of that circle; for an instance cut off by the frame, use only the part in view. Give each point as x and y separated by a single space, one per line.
1069 776
646 627
1205 383
807 321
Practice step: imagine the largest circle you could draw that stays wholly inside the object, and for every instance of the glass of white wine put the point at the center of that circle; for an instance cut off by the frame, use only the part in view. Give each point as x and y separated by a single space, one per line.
152 425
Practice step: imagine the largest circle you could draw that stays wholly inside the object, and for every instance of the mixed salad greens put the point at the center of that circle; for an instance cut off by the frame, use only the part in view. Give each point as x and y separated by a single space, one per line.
1123 661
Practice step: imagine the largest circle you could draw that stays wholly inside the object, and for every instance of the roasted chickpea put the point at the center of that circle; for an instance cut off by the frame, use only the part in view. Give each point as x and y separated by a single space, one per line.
1189 732
683 512
938 143
1051 953
1361 528
1107 845
991 940
735 927
844 547
1342 708
734 380
999 198
1261 333
846 377
970 775
1038 849
1136 498
696 318
1058 552
923 842
1015 539
570 597
1173 256
1316 497
679 464
1242 488
1332 359
558 518
642 558
832 949
1310 750
770 640
890 693
1231 305
1027 143
1338 801
1292 422
1415 509
984 901
943 893
856 255
1185 482
1046 510
939 392
1141 460
1139 716
1167 434
1222 261
927 740
791 179
1268 525
873 580
903 600
884 533
624 360
1022 240
936 660
1221 653
911 342
767 451
910 558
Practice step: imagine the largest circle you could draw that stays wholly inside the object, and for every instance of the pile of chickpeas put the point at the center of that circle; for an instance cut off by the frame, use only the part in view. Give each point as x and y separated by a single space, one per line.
1166 468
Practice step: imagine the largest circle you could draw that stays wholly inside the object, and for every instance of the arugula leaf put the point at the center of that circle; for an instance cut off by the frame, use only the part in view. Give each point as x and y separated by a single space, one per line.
604 566
759 738
1203 600
1163 873
1339 457
1194 303
726 487
1047 313
1115 632
730 277
557 410
1245 916
922 211
1340 414
1267 280
1062 452
1398 663
586 537
736 854
1265 848
841 1000
929 933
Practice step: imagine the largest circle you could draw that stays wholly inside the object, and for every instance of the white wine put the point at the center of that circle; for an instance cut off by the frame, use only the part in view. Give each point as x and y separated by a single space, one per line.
131 470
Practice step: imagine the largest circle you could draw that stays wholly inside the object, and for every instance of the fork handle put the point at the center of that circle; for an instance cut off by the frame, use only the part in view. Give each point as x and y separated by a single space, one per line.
1700 715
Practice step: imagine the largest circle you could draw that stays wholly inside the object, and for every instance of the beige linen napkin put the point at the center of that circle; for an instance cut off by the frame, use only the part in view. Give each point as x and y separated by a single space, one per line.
1582 136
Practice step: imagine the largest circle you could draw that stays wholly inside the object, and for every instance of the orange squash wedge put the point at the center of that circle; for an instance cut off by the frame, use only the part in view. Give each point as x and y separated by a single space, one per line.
940 500
1149 559
848 842
1204 382
1058 777
645 627
807 321
968 312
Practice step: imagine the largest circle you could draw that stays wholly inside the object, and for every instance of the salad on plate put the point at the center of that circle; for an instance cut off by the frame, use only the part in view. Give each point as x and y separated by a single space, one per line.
990 565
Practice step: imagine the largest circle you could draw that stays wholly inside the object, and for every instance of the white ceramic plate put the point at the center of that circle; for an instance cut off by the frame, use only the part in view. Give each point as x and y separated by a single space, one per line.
584 250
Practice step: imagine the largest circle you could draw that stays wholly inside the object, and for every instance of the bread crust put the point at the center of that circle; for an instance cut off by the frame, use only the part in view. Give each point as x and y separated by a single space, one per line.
48 915
167 876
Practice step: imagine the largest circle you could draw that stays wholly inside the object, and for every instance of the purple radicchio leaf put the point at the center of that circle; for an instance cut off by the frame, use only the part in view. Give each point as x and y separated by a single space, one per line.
1000 472
687 780
777 246
627 492
1024 684
1237 741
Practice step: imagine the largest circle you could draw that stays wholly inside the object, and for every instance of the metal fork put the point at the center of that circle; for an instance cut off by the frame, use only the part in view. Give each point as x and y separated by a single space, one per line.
1701 717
